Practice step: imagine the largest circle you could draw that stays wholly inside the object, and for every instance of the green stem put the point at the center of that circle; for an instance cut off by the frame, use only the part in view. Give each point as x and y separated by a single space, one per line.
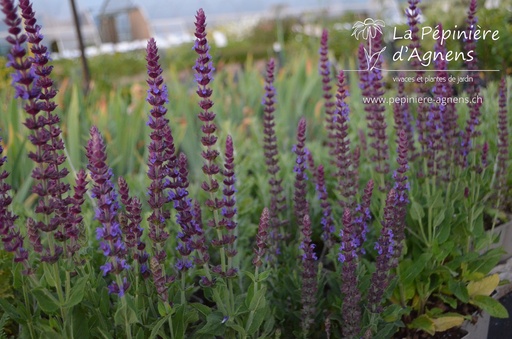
27 306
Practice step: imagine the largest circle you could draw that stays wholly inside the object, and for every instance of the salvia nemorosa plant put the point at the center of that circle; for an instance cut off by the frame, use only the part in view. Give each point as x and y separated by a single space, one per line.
355 243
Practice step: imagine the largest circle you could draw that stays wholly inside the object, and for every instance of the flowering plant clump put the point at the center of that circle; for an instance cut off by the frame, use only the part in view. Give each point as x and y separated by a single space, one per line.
342 241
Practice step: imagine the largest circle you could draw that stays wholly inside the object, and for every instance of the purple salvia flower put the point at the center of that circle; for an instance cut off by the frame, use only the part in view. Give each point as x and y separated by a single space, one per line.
403 119
271 153
184 217
364 84
109 233
229 210
32 83
475 100
385 247
73 228
345 170
300 206
204 69
434 125
325 71
132 230
375 115
413 14
362 217
328 227
161 159
401 188
447 144
347 256
309 278
500 182
9 233
160 279
261 238
44 84
199 243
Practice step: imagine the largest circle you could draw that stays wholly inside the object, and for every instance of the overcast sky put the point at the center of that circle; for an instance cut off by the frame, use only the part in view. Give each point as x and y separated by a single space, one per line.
178 8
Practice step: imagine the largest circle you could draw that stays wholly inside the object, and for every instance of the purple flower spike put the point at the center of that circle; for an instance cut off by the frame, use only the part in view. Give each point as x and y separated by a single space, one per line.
33 84
229 210
403 119
328 227
300 206
351 311
401 188
325 71
9 233
362 217
346 172
111 242
309 279
132 230
190 228
73 228
204 69
261 238
386 248
277 199
503 144
162 158
475 100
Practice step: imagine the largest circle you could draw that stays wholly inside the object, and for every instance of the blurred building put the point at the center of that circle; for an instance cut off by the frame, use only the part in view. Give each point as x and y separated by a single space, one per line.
122 21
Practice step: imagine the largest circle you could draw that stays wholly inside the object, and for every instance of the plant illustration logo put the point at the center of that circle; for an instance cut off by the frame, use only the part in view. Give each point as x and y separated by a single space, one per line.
368 30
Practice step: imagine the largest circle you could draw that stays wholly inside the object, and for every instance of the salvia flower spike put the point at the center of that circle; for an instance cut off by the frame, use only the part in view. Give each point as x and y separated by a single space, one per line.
109 233
161 159
33 84
9 233
277 199
309 278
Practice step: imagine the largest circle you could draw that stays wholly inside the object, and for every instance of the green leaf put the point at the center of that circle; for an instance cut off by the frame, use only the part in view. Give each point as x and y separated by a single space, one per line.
459 289
156 327
408 276
80 325
258 300
436 201
259 316
425 323
263 275
178 322
250 275
236 327
77 292
9 309
214 325
203 309
46 301
490 305
125 313
417 212
48 275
